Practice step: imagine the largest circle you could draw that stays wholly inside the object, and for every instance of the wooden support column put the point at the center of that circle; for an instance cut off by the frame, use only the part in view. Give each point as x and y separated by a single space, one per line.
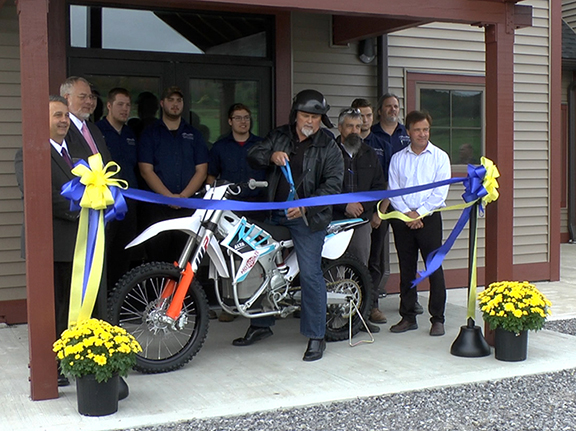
33 20
500 149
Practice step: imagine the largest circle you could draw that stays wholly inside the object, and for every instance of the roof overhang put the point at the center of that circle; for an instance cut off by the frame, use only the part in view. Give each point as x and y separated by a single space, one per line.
355 21
464 11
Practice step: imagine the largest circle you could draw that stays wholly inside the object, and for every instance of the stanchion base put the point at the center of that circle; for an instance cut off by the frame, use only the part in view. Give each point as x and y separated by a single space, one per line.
470 343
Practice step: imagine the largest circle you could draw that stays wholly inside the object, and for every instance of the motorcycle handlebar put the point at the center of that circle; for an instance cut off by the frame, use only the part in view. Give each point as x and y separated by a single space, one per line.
253 184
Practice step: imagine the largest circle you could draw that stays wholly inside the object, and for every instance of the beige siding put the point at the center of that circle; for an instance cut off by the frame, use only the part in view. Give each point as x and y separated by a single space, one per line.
12 269
333 70
569 12
531 138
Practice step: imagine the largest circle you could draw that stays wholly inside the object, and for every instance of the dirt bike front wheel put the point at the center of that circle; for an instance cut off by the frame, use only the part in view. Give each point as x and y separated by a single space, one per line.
137 306
349 276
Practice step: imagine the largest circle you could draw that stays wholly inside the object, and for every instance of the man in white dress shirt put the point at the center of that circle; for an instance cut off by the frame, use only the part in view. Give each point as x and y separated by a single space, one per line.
419 163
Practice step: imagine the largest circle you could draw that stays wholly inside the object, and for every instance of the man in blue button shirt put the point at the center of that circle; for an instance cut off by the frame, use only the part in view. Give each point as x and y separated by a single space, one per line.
173 161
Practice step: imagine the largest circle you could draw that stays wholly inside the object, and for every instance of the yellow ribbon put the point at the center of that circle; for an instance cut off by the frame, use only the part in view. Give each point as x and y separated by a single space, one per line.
97 196
490 182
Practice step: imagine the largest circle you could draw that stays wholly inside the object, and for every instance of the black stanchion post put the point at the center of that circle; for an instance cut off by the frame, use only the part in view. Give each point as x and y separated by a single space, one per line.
470 343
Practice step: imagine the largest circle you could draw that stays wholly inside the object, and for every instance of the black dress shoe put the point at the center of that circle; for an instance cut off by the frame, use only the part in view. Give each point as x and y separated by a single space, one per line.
253 334
418 308
314 350
63 380
373 328
123 390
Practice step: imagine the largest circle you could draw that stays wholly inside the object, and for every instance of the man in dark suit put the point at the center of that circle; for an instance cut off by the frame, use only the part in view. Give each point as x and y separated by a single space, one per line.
64 221
84 138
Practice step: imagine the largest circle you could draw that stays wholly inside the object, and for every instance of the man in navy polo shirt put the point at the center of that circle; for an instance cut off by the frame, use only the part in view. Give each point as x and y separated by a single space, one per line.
121 143
173 161
228 162
228 155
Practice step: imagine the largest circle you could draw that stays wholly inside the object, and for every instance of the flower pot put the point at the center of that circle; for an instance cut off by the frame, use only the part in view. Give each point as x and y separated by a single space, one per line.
97 399
510 346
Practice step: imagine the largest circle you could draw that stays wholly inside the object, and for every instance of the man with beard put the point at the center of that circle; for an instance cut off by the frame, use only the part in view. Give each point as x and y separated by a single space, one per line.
362 172
173 161
316 164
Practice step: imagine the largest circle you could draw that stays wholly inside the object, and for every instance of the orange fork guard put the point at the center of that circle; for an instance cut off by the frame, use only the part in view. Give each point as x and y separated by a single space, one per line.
176 305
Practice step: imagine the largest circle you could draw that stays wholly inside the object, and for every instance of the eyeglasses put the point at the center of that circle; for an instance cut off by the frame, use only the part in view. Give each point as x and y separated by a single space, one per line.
238 118
349 111
84 96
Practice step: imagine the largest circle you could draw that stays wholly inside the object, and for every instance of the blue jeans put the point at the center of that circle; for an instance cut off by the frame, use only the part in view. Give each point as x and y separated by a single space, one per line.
308 247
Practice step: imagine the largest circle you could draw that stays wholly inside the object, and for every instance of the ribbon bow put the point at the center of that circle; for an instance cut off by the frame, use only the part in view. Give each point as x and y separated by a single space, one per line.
99 200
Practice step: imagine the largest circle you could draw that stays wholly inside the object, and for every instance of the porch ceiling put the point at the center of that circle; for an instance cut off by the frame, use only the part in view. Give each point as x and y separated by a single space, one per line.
206 31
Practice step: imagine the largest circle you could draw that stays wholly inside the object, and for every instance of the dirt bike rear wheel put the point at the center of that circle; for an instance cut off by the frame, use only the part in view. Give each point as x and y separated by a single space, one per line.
135 305
346 275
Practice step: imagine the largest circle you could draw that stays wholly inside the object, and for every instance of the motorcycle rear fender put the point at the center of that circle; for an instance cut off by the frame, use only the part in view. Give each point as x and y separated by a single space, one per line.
335 245
339 236
188 225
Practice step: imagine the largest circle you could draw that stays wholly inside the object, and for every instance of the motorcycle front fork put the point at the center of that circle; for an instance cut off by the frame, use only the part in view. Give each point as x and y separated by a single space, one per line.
178 289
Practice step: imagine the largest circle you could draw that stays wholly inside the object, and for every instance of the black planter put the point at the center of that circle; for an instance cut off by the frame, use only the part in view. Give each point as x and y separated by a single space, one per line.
510 346
97 399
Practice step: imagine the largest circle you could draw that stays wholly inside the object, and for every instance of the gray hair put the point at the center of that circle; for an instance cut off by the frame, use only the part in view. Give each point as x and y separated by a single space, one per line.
66 87
353 113
60 99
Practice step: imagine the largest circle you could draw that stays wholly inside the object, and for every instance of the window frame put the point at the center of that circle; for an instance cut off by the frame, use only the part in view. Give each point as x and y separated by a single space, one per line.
453 82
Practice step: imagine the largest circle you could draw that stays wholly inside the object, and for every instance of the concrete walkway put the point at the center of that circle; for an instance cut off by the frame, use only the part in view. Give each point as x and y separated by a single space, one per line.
226 380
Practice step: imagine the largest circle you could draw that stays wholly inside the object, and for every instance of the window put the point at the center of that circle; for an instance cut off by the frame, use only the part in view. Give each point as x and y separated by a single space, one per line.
187 32
456 104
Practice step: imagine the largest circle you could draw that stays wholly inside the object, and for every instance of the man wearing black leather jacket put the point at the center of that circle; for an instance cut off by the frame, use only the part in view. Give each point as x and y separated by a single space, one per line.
317 169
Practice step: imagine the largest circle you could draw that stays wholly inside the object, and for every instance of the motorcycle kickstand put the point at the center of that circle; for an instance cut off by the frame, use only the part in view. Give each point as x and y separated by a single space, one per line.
371 340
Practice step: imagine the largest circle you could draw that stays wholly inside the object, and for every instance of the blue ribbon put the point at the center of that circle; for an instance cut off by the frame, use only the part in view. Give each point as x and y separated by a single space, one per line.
344 198
474 190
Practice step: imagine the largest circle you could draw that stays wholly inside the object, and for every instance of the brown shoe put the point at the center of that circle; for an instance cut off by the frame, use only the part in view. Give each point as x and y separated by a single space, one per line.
226 317
403 326
437 329
376 316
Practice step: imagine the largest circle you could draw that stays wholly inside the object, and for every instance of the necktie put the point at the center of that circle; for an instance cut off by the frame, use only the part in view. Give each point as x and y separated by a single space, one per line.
88 137
66 156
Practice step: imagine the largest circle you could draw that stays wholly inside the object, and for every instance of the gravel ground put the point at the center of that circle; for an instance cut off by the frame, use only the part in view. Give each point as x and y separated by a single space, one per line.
529 403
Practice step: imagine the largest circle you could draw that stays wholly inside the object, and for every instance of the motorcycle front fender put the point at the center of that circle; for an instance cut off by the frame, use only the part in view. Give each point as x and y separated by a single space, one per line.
188 225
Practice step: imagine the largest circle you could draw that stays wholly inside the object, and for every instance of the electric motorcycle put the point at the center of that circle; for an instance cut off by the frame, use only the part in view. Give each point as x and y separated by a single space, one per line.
254 269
